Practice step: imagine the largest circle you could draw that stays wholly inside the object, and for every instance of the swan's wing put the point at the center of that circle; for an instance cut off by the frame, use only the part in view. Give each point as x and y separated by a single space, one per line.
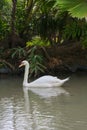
47 79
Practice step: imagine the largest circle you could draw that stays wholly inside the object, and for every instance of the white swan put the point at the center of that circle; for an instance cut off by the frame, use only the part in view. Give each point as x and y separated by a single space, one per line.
44 81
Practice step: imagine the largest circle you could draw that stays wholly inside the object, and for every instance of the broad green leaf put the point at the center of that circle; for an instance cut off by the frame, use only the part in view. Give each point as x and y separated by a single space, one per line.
77 8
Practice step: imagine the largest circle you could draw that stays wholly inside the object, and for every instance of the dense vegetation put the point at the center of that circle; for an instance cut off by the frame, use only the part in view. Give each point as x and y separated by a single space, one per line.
28 26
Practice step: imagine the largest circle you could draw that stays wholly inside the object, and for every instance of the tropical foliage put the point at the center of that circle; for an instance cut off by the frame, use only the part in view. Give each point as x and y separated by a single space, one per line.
37 41
77 8
18 52
26 25
36 62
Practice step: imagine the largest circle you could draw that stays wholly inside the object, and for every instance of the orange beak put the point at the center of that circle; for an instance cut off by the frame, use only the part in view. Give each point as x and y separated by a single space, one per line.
21 65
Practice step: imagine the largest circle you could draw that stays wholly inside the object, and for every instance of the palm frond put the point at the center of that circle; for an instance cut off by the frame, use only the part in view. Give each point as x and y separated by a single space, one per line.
77 8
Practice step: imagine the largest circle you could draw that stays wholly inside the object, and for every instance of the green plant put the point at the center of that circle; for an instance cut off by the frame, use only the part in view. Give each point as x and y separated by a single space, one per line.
18 52
84 35
77 8
36 62
37 41
72 30
5 12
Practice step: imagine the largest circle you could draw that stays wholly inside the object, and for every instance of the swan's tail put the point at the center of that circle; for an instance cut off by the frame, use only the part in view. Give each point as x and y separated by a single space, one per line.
64 80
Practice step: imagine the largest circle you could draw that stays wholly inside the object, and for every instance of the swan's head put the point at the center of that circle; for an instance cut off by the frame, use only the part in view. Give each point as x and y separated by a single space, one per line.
24 63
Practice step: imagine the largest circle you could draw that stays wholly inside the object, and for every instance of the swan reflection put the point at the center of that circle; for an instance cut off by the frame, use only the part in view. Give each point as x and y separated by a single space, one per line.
40 112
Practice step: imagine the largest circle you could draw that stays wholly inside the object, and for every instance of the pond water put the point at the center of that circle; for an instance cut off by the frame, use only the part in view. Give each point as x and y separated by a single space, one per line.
43 109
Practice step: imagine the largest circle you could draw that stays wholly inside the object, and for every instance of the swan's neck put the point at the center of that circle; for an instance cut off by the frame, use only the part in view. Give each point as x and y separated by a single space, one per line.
26 74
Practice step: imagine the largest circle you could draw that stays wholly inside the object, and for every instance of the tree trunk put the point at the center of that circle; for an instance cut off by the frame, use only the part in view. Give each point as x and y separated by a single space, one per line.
13 30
